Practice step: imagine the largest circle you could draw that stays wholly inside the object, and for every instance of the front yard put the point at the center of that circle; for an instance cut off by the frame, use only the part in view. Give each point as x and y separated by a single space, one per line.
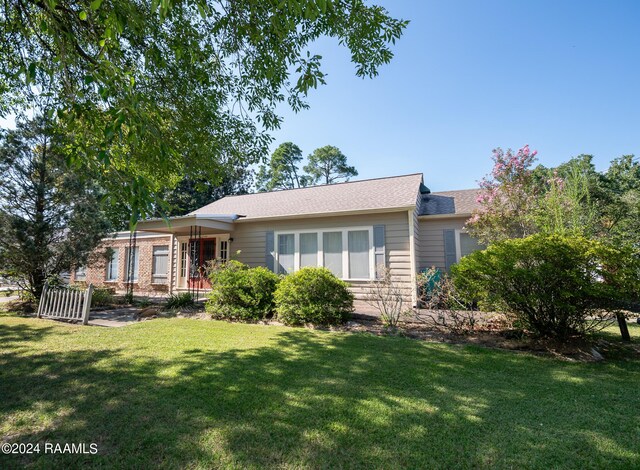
182 393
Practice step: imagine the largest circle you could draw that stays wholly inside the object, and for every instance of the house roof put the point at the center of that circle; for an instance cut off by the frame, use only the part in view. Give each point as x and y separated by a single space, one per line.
461 202
353 196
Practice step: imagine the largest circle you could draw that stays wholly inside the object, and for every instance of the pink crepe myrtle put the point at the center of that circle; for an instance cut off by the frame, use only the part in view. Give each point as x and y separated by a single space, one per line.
506 196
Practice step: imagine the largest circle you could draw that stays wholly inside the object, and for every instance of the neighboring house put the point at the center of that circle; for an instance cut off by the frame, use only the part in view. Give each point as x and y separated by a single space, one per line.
350 228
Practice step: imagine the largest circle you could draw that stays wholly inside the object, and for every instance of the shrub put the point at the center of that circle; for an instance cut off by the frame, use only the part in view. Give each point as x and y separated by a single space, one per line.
313 295
555 285
101 297
143 302
180 300
386 294
241 293
443 306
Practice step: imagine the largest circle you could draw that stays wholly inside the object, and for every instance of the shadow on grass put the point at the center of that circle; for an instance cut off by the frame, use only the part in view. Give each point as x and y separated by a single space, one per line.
15 337
612 333
317 401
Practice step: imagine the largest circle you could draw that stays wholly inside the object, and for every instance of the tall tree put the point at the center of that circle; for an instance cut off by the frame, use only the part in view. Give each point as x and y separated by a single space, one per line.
192 193
143 85
507 198
328 165
281 171
517 200
570 198
621 184
50 218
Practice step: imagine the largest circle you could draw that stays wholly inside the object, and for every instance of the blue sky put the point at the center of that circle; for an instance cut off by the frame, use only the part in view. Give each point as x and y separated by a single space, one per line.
469 76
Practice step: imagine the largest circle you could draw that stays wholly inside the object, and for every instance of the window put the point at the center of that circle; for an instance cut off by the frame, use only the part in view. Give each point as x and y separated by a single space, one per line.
468 244
359 254
332 251
131 277
347 253
112 265
160 264
308 249
224 250
456 245
183 259
286 253
81 273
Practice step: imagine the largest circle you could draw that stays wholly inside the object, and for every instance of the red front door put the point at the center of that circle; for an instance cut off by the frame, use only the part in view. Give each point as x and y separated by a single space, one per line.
200 253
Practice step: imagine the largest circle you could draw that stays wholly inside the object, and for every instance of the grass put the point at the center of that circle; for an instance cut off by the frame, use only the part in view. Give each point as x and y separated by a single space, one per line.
203 394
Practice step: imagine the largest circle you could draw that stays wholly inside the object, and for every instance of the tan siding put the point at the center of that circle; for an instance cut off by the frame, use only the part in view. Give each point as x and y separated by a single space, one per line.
250 237
431 236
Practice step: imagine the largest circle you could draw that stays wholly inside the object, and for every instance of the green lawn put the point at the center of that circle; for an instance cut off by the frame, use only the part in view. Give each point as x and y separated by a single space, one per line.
202 394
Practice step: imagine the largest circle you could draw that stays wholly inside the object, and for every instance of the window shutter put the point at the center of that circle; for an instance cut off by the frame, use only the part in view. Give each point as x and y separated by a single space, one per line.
268 252
449 249
378 247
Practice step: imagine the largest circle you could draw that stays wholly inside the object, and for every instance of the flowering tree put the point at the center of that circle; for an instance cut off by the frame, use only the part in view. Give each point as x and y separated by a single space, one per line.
517 200
508 198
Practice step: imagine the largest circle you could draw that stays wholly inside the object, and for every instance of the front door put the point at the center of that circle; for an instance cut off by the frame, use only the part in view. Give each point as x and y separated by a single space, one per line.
201 251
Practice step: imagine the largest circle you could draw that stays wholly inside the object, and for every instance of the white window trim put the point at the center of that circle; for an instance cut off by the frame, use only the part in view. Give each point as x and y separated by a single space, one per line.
320 262
458 232
219 242
458 245
116 254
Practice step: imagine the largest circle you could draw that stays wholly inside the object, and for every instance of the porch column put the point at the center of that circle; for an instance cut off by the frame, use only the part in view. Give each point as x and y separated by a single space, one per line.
172 258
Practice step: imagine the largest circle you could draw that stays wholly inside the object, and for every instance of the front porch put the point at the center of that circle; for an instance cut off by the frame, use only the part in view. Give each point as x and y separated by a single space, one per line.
197 240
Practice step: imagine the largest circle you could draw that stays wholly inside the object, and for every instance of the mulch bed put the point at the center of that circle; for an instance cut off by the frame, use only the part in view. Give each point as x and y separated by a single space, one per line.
577 349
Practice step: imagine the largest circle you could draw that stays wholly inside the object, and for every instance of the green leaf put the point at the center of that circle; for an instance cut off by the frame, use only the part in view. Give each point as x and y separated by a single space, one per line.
31 73
202 10
96 4
103 156
83 15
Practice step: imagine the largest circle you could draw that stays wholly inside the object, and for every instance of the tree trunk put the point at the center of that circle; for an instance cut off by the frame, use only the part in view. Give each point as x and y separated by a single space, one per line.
624 329
39 242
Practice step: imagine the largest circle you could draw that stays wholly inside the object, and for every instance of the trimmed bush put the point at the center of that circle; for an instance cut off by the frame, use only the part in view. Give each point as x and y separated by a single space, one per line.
555 285
101 297
313 295
241 293
180 300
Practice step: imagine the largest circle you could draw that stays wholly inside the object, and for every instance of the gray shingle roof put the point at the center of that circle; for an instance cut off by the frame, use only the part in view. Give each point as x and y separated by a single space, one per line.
364 195
461 202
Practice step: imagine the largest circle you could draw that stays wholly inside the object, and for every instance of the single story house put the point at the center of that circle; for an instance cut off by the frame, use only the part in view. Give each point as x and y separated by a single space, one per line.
350 228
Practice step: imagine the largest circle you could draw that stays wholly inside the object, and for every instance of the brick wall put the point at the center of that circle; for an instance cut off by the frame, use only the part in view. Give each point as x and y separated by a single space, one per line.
96 272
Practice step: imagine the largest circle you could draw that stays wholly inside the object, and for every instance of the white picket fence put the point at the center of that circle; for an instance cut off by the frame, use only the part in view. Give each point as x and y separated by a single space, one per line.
67 304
